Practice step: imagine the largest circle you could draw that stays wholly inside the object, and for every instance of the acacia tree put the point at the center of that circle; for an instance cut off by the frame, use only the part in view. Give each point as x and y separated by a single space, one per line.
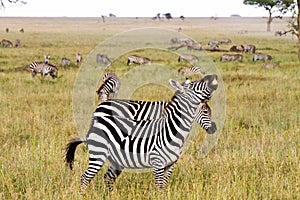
272 6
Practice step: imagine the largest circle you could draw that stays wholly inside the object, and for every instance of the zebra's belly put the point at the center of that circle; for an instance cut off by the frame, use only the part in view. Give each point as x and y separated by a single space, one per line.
129 160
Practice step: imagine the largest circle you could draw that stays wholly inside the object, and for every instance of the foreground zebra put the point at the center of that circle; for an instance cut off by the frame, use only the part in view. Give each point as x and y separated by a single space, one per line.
138 60
190 70
109 88
260 56
231 57
155 144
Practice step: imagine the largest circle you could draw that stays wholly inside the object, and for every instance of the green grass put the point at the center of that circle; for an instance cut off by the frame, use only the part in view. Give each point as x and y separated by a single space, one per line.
256 157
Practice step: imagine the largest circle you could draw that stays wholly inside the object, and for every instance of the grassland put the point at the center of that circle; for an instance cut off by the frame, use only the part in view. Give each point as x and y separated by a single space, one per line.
257 155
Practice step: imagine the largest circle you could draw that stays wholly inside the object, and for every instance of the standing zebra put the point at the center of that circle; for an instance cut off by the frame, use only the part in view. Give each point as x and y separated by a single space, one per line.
261 56
78 58
44 69
110 87
190 70
138 60
155 144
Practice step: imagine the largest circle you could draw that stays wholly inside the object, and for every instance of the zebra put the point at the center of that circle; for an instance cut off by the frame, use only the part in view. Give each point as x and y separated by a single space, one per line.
6 43
78 58
155 144
190 70
188 57
44 69
138 60
225 41
231 57
214 44
65 61
18 43
103 59
110 87
249 48
237 48
260 56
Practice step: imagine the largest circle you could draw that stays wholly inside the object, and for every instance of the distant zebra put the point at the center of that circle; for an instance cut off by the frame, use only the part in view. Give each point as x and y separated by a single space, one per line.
138 60
18 43
6 43
103 59
190 70
249 48
6 29
44 69
214 44
237 48
21 30
188 57
78 58
65 61
110 87
231 57
260 56
155 144
225 41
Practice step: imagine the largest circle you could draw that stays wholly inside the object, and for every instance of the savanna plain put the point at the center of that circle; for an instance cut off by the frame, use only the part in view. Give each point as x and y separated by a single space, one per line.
257 154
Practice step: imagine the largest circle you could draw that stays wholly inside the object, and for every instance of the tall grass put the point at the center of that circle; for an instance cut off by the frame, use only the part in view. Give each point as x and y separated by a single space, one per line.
257 155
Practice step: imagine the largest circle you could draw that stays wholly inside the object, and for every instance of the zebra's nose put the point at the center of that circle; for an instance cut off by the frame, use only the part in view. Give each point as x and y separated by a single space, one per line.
212 129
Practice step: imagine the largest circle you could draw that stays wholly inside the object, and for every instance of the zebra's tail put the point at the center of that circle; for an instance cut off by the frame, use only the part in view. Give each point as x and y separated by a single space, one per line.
71 148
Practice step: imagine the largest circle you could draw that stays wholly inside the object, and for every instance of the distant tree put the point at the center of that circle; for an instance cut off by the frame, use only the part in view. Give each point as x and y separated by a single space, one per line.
272 6
2 4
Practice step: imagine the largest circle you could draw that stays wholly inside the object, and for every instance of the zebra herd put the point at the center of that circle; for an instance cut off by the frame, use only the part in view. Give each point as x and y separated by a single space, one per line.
45 68
140 134
215 46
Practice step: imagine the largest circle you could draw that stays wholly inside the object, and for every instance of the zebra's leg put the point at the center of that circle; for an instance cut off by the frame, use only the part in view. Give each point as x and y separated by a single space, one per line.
98 155
167 173
159 177
110 177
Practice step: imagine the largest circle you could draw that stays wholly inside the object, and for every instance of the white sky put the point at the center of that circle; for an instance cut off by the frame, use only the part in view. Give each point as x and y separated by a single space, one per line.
131 8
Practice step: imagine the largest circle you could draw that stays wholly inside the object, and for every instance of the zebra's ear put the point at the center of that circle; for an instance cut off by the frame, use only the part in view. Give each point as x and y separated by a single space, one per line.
176 85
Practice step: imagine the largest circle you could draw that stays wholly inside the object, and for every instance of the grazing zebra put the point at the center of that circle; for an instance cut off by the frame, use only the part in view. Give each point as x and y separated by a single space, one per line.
6 43
237 48
44 69
188 57
190 70
231 57
65 61
155 144
103 59
78 58
138 60
225 41
260 56
110 87
249 48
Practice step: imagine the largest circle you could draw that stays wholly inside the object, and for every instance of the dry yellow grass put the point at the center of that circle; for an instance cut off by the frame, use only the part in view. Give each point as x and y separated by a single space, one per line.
257 155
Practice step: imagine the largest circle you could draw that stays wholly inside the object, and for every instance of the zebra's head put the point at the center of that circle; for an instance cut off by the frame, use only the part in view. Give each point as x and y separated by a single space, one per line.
203 117
198 91
46 59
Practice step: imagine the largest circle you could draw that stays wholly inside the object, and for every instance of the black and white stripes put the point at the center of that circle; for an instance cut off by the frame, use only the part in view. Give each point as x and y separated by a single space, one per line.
155 144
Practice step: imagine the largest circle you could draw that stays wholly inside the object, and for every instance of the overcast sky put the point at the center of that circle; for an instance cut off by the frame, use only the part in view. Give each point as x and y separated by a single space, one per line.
131 8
